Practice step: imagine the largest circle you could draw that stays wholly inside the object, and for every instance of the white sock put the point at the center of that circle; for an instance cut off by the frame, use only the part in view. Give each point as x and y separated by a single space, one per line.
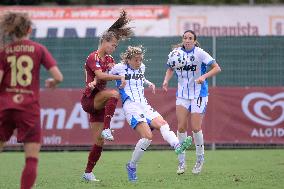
139 150
181 138
199 143
169 135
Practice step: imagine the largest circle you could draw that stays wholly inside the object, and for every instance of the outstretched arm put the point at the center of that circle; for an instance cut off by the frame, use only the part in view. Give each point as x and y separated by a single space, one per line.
168 76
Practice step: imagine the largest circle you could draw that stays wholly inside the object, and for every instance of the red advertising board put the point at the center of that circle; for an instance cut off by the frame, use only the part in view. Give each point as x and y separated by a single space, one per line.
234 115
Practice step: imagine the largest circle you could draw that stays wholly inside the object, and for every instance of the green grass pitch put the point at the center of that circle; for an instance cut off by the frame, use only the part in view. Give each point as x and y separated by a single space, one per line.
223 169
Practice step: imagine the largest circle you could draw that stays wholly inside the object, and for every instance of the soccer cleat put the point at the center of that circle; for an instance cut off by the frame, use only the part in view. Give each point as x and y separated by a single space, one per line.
198 165
131 173
181 168
184 145
89 177
106 134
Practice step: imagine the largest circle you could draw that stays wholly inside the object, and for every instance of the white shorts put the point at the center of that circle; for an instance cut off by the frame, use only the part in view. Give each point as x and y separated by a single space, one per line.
193 105
136 112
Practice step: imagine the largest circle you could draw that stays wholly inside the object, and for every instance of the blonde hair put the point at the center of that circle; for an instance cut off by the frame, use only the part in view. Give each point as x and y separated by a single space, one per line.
118 30
13 25
130 52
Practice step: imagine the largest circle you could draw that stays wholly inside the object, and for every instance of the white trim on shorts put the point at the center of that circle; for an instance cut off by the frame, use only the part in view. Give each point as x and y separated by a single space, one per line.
136 112
197 105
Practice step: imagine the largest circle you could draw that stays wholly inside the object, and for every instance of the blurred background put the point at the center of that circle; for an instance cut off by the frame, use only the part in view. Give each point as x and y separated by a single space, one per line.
246 37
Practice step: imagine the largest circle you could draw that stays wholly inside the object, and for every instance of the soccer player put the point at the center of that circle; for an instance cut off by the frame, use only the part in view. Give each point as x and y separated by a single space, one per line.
20 61
192 94
139 114
97 101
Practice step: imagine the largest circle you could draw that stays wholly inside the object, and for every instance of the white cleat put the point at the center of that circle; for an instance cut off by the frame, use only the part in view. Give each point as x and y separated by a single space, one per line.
198 167
106 134
181 168
89 177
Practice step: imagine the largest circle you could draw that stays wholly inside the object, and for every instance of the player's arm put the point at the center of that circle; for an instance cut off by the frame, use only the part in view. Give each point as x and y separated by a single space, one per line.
57 77
215 68
1 76
169 74
151 85
109 77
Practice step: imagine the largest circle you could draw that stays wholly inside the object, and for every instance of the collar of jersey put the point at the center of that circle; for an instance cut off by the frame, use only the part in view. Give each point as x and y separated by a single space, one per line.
189 51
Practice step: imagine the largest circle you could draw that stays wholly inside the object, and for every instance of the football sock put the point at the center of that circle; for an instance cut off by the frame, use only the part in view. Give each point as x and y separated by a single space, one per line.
169 135
181 138
199 143
139 150
109 111
94 156
29 173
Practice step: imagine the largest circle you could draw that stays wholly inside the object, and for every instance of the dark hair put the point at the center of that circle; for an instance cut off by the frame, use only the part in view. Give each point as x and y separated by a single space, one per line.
13 25
118 29
197 44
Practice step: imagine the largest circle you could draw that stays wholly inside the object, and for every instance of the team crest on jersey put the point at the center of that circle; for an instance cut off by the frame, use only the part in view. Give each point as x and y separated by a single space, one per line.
192 58
18 98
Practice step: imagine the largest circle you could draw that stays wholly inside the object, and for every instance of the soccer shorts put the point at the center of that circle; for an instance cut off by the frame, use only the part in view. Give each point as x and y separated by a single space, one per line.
27 125
136 112
88 106
193 105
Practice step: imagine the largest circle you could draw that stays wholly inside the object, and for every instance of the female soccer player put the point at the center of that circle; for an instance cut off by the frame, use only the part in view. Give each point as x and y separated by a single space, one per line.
98 101
139 114
192 94
20 61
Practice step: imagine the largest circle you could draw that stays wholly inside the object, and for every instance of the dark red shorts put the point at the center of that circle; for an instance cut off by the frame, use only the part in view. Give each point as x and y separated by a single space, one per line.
88 106
27 125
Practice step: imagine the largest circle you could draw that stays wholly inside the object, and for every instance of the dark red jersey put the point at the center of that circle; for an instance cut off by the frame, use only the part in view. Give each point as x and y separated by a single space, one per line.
20 61
93 63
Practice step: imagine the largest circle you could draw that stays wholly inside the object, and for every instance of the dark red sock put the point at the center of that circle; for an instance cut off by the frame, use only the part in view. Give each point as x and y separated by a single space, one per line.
29 173
94 156
109 111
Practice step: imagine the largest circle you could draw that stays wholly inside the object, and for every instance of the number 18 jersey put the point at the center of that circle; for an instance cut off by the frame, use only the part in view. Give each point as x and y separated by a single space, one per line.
20 61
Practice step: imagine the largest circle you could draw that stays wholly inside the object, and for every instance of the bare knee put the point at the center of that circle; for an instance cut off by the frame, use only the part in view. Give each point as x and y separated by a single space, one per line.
114 94
32 149
148 136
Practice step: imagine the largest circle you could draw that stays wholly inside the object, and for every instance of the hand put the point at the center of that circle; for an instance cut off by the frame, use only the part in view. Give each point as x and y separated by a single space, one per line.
153 87
123 82
110 65
51 83
200 80
165 86
93 84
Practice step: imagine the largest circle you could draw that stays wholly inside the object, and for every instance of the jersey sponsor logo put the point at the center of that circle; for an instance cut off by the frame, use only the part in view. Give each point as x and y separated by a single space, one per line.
254 106
188 68
134 76
192 58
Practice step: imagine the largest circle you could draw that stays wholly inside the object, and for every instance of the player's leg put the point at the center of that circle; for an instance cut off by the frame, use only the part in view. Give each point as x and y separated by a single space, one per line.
106 99
182 118
1 145
198 110
169 136
29 172
96 150
146 137
29 132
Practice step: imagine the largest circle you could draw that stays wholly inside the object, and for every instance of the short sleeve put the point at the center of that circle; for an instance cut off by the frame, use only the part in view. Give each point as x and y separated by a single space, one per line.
93 62
206 58
118 69
47 60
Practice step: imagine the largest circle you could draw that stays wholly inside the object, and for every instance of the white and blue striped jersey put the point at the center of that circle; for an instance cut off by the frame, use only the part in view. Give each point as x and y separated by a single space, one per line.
196 65
134 89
